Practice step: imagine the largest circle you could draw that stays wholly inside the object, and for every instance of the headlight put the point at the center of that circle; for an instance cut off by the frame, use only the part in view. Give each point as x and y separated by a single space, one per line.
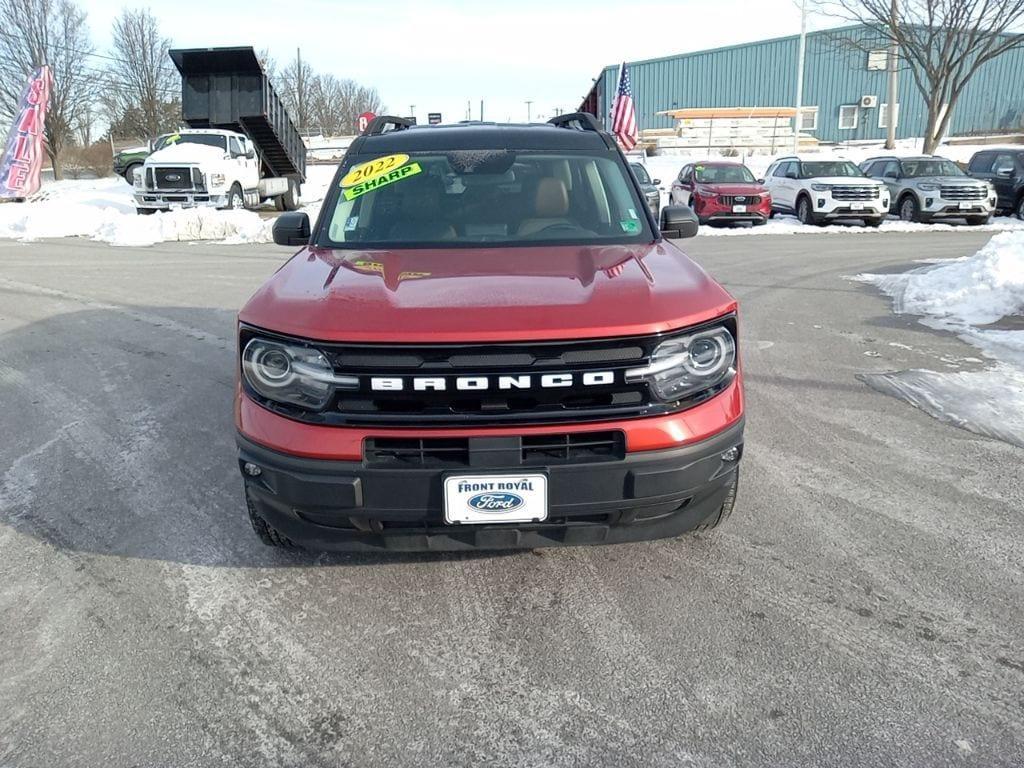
689 364
137 177
216 179
287 373
821 187
928 187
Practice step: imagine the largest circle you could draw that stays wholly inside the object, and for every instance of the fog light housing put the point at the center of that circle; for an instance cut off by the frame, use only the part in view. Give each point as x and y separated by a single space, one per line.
733 454
821 202
252 470
929 202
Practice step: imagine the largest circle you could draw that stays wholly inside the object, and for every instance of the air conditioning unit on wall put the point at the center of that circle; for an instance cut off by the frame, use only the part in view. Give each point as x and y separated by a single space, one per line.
868 102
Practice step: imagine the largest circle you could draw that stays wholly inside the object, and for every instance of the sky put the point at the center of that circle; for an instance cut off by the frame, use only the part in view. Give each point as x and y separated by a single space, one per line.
435 56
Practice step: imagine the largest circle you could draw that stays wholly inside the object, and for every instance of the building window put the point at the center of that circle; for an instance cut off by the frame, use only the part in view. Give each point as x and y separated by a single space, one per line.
808 119
848 117
883 115
878 60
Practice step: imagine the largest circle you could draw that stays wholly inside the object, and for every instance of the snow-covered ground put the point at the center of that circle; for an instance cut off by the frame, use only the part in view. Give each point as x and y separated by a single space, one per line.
103 209
964 296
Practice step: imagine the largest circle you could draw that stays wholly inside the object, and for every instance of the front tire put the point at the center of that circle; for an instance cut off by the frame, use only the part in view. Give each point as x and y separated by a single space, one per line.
269 536
874 223
235 198
910 209
1019 208
129 173
725 510
977 221
805 213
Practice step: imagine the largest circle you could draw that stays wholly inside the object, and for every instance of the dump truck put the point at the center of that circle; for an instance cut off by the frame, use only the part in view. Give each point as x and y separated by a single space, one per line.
241 147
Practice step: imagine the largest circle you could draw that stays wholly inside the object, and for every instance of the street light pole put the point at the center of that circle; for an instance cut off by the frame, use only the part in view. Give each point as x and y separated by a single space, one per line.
800 75
529 113
891 111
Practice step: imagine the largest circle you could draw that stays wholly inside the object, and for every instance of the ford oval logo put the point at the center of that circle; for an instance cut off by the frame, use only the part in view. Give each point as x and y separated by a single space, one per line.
740 198
496 501
173 177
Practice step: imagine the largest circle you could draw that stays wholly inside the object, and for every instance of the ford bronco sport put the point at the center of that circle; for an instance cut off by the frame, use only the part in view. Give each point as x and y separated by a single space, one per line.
486 342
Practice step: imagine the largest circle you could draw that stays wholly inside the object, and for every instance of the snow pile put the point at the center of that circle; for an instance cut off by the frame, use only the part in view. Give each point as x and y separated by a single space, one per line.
960 296
104 210
788 225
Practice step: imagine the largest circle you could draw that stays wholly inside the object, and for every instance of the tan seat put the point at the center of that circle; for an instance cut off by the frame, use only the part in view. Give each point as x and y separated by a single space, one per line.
550 206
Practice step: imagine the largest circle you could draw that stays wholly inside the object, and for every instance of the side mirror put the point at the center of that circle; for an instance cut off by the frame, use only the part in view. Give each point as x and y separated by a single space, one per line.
250 155
760 181
791 175
292 228
678 221
1004 173
656 181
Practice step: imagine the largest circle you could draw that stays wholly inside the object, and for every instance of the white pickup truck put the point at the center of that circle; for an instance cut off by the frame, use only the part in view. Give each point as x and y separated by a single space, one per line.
208 167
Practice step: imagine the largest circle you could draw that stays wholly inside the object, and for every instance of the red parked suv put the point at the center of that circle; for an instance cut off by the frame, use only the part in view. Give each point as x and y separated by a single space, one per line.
486 342
722 193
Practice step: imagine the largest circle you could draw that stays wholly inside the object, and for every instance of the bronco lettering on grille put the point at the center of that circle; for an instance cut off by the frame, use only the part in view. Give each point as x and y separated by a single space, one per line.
480 383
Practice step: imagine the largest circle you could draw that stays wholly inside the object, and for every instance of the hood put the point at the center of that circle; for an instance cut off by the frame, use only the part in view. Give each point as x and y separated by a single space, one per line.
845 181
186 153
950 181
739 188
486 294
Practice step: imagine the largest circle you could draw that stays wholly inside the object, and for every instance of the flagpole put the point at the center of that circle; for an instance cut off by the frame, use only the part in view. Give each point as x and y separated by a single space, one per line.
800 76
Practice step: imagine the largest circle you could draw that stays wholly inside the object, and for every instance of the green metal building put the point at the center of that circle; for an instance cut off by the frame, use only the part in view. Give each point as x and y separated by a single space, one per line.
842 66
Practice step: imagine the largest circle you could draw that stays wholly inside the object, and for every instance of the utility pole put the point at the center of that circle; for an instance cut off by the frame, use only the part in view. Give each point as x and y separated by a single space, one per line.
298 85
529 113
481 110
412 110
800 75
891 111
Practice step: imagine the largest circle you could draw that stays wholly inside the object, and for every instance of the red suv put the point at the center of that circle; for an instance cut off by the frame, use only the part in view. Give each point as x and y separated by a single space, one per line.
721 192
486 342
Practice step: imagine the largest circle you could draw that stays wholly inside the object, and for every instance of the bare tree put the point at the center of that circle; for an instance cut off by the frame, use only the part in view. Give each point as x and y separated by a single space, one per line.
943 43
53 32
336 104
142 88
297 81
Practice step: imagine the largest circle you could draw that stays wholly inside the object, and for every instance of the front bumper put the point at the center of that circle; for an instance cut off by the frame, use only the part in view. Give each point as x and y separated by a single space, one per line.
938 208
709 211
164 201
347 505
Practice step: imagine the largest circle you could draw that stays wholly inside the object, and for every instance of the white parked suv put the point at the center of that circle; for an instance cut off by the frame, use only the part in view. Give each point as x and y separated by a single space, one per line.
819 191
207 167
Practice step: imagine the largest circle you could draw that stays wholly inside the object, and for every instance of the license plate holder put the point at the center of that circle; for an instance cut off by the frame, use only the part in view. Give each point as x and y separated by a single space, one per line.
965 205
739 209
484 498
856 206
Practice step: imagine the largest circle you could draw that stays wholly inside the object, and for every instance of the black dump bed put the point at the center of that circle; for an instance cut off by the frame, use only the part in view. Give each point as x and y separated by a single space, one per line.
227 88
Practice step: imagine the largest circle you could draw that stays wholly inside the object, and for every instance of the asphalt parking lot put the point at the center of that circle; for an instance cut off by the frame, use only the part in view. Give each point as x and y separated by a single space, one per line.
863 607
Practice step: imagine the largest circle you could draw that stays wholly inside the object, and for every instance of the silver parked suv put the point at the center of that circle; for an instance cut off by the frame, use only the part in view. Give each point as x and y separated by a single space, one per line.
931 188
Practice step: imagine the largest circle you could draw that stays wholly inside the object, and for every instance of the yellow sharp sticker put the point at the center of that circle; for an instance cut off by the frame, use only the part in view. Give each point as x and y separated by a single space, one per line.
372 169
377 182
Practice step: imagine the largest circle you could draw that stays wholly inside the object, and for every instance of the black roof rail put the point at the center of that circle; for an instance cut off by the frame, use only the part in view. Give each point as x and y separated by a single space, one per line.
380 125
580 121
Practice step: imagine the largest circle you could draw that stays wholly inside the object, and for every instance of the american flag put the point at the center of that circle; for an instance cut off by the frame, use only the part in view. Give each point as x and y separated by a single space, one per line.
623 111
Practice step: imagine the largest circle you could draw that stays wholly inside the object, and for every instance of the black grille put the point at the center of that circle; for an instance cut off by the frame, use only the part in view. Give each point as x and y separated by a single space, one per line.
964 193
739 199
452 385
173 178
534 450
855 192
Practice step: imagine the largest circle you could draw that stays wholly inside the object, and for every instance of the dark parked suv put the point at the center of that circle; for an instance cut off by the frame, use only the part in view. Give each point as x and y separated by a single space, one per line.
1004 169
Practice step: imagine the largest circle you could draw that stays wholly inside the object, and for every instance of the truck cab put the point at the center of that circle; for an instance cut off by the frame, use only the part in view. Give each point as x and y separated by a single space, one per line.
199 167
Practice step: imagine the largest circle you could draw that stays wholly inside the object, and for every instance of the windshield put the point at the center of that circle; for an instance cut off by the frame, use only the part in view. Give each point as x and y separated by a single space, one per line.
830 168
723 174
641 173
916 168
494 196
207 139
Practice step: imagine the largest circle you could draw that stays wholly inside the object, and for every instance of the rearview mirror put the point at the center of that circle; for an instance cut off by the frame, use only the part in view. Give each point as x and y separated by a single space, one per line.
678 221
292 229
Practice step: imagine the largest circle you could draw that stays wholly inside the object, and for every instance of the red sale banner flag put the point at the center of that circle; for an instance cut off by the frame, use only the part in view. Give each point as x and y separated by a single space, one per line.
22 157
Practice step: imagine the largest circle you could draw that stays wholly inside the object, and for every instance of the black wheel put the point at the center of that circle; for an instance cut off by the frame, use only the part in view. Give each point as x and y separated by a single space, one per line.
759 222
235 198
726 509
129 173
874 223
977 221
279 203
269 536
1019 208
771 214
910 210
145 211
290 199
805 214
